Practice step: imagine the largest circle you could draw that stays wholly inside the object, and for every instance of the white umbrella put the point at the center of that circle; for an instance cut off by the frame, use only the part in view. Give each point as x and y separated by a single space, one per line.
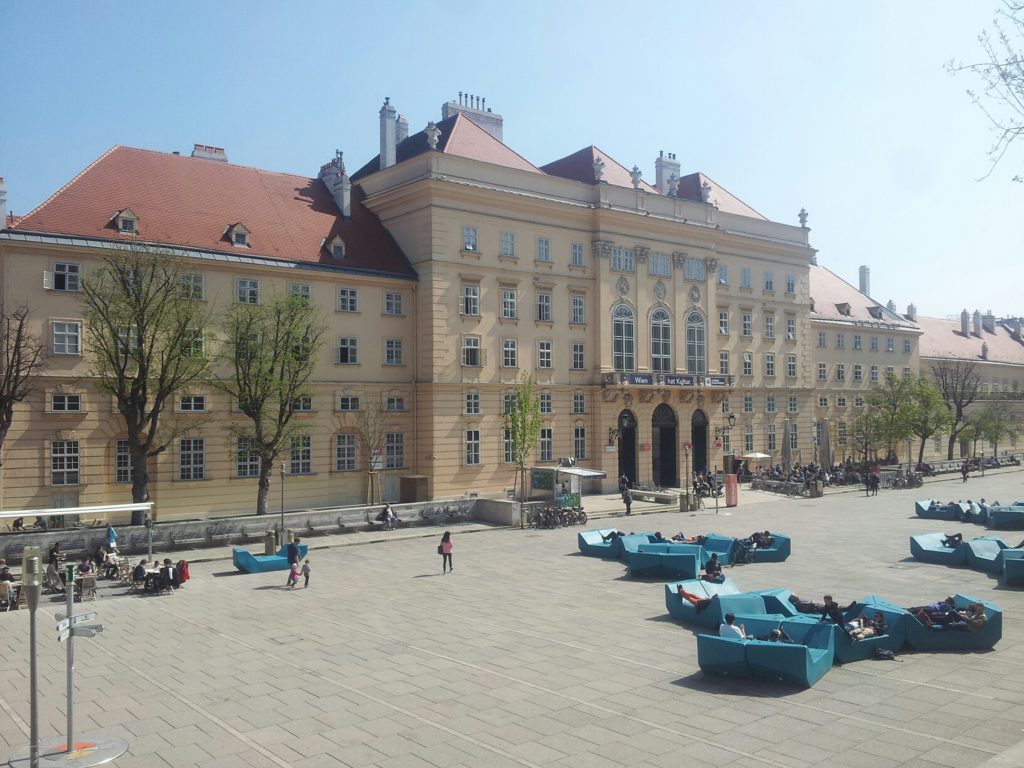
755 455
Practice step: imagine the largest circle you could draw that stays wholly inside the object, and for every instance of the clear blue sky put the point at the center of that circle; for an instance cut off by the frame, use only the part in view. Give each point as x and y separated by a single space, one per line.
842 108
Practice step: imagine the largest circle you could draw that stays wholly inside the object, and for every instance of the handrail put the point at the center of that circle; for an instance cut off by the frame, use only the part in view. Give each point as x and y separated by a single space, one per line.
142 506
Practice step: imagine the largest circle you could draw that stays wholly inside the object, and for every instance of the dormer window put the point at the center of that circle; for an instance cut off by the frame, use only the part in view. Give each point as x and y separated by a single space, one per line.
844 309
238 234
337 248
875 312
126 222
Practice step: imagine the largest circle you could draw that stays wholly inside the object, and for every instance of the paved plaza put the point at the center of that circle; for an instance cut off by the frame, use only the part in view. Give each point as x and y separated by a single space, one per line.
529 655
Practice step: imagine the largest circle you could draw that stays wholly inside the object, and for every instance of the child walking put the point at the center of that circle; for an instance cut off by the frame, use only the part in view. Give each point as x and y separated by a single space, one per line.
445 550
305 573
293 576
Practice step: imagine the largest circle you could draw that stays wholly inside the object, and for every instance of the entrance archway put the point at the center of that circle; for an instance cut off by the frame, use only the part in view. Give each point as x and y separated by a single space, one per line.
626 424
664 456
699 439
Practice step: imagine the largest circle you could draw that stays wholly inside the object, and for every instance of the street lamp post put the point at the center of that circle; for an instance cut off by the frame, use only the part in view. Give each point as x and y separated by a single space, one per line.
281 539
721 433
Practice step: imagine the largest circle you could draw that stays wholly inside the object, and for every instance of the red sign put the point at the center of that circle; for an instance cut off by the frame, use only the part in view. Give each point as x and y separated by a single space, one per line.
718 444
687 446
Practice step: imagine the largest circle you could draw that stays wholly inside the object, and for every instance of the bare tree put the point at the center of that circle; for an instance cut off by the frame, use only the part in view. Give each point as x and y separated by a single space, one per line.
373 422
146 340
522 422
272 350
959 386
993 423
1001 72
928 412
21 360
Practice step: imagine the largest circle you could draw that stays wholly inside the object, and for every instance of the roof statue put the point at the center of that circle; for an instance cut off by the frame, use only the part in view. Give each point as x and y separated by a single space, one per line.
673 184
433 134
598 168
803 217
339 161
705 192
636 174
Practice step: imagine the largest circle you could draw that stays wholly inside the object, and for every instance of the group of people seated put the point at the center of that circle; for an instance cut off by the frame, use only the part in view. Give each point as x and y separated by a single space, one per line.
729 628
705 484
159 578
944 615
973 507
40 524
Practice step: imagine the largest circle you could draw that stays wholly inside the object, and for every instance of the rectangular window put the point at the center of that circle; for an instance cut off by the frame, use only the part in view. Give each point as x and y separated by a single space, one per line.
471 299
469 238
769 403
659 265
723 274
745 278
579 402
576 255
769 364
791 366
509 354
793 437
345 452
790 329
858 401
299 291
792 404
622 260
547 444
544 306
508 447
247 460
347 403
301 455
840 401
545 402
823 401
393 352
694 269
122 462
394 404
889 371
748 403
723 362
725 405
906 375
508 304
748 363
192 403
543 354
771 437
822 371
543 249
67 338
64 462
302 404
748 438
841 433
874 343
348 300
723 322
840 341
394 450
790 284
822 340
191 458
577 356
508 245
472 403
769 325
472 447
247 291
840 372
906 346
874 374
508 401
579 442
348 351
393 303
890 344
748 323
471 351
66 277
858 372
193 286
857 342
769 281
65 403
578 314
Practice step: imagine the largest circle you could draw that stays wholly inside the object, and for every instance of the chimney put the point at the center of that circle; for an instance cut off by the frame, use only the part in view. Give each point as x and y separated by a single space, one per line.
664 166
988 322
388 124
206 152
3 203
1013 325
912 313
965 323
334 176
865 280
891 306
401 129
977 323
476 109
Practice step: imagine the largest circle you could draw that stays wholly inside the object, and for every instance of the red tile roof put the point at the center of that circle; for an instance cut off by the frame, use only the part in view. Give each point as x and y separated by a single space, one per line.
190 202
690 186
829 293
579 166
942 339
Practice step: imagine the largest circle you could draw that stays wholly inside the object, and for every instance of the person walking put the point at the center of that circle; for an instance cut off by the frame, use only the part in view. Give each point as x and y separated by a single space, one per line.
292 550
627 499
305 573
111 538
293 576
444 549
964 469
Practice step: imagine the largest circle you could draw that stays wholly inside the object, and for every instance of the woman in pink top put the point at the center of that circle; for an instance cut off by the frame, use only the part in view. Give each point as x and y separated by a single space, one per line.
445 548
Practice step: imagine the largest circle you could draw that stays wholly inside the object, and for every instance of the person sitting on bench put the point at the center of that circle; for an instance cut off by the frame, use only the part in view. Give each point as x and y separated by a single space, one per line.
730 630
713 570
612 535
698 602
777 636
955 540
804 606
862 626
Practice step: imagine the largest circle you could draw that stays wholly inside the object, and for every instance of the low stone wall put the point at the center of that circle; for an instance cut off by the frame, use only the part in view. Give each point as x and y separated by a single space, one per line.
191 534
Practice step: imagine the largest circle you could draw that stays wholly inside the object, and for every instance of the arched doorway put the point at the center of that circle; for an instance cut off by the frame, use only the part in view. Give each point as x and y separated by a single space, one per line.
699 439
626 424
664 457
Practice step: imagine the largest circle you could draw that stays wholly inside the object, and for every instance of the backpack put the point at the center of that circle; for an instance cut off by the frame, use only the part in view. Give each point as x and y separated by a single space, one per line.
883 654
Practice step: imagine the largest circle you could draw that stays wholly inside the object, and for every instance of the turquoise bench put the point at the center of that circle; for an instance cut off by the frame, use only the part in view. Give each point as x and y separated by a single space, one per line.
894 639
723 546
928 548
801 663
777 601
1006 516
1013 567
920 638
685 611
247 562
592 544
986 554
941 512
778 552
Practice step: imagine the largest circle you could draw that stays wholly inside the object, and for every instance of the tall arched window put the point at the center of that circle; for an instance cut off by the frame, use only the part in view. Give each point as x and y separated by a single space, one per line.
661 342
696 344
623 339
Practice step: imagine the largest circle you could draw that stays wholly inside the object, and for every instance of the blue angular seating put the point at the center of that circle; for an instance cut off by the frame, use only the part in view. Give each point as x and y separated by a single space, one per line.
592 543
247 562
921 638
630 542
722 656
777 601
985 554
685 611
1006 516
939 512
1013 567
894 638
778 552
723 546
928 548
802 663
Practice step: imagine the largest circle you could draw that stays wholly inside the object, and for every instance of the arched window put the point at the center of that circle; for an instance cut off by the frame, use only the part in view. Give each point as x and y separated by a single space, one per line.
623 339
661 342
696 344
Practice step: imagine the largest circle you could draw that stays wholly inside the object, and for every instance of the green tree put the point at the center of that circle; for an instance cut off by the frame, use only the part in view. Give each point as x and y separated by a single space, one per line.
21 360
959 386
146 341
994 423
373 422
889 411
522 426
928 413
272 351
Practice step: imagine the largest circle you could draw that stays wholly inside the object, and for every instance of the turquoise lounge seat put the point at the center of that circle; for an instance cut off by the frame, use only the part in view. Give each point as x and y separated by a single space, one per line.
723 546
592 544
777 601
1011 517
940 512
920 638
679 561
1013 567
630 542
247 562
778 552
722 656
986 554
802 663
683 610
928 548
893 640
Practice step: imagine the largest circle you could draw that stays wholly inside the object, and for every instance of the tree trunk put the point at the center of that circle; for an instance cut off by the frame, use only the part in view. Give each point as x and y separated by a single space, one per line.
952 442
920 454
264 488
140 483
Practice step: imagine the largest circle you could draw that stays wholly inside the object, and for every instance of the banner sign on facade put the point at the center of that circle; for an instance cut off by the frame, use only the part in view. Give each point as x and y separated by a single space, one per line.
668 380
